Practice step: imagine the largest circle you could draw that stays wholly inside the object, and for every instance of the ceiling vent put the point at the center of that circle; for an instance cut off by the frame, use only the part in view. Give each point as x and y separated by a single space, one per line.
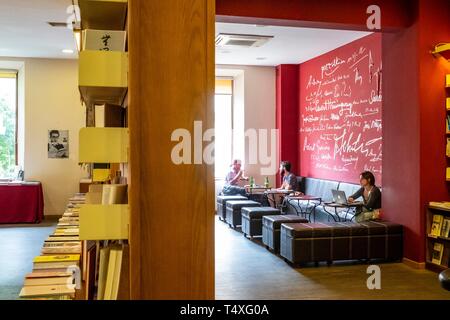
58 24
240 40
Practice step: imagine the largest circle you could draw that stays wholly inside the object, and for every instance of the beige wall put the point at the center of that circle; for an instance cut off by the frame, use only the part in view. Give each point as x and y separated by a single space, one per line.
52 101
255 94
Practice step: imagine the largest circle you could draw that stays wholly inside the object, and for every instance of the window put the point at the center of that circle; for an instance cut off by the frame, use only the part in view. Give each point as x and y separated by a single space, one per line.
223 126
8 123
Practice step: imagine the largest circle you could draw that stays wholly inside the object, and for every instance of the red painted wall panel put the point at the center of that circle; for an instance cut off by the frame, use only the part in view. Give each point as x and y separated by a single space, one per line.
287 115
341 112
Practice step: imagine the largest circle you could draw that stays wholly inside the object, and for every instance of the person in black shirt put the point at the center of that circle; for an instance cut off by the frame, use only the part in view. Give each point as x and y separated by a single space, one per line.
371 195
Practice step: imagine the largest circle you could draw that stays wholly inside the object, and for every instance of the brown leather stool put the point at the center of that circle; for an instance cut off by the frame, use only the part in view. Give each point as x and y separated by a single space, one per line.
252 219
271 226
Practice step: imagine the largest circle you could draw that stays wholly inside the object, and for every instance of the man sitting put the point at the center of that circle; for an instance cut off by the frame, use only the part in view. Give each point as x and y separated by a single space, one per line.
232 180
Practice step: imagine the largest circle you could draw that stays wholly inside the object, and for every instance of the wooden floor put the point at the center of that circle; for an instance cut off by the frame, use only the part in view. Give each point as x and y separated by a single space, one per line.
246 270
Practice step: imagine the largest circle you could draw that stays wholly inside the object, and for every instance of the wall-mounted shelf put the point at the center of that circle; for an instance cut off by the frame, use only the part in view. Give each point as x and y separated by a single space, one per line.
103 145
103 14
103 76
104 222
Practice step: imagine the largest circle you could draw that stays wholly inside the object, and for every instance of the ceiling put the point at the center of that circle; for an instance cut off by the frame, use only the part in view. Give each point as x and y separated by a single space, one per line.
289 45
24 31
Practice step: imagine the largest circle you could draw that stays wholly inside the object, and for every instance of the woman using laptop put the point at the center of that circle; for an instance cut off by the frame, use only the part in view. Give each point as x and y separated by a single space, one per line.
371 195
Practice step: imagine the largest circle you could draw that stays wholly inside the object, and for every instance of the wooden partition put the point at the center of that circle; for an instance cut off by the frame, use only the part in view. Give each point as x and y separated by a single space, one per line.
171 51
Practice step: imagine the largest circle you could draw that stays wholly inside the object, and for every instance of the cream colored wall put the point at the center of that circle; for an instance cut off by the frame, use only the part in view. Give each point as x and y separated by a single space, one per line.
52 101
255 91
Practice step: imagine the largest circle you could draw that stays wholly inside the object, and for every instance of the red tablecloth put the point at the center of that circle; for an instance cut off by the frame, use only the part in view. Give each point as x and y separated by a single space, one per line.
21 203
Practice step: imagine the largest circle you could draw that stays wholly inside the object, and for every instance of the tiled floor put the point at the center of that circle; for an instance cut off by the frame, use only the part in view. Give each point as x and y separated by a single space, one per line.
246 270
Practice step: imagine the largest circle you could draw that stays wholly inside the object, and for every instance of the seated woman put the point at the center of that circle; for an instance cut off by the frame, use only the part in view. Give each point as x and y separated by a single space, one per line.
371 195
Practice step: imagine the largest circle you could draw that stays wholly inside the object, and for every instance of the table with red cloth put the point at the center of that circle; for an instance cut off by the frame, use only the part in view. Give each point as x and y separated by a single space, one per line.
21 202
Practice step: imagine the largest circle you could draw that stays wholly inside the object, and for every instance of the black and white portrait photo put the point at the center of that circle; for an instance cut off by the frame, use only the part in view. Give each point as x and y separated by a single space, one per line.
58 144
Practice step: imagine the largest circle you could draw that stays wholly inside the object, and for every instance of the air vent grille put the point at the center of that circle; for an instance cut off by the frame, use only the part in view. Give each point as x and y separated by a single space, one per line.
241 40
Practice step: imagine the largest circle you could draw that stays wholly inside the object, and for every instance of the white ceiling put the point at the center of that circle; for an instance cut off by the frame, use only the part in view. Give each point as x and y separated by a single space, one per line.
24 31
289 45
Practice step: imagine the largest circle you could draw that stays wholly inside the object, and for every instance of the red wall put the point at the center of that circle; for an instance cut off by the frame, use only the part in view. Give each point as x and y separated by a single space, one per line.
341 114
287 115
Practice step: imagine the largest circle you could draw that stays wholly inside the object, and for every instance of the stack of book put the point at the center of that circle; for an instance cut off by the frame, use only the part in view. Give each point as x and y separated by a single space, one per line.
54 271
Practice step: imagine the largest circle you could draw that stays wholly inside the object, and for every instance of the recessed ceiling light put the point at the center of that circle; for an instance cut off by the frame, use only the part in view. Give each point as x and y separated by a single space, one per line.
67 51
261 58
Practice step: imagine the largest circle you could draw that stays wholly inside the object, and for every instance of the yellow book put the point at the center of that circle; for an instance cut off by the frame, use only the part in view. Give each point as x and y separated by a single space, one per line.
113 276
102 272
44 291
436 225
57 258
48 281
448 173
62 238
437 253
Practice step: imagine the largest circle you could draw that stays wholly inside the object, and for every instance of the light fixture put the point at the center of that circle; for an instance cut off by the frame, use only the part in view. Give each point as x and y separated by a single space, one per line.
67 51
442 49
261 58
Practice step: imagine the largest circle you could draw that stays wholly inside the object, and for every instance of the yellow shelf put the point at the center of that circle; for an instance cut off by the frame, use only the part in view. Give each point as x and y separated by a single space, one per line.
103 14
100 222
103 76
447 81
103 145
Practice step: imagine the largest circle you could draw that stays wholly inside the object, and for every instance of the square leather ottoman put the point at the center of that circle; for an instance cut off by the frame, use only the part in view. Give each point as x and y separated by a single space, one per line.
233 217
252 219
222 205
271 226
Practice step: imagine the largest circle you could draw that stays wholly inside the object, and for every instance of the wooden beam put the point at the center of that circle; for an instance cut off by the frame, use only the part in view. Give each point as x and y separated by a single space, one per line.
171 50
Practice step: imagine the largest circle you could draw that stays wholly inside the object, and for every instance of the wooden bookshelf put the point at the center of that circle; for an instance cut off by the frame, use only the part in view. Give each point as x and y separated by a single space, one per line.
103 14
431 240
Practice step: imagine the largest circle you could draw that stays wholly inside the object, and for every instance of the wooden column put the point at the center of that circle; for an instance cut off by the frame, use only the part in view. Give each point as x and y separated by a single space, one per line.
171 51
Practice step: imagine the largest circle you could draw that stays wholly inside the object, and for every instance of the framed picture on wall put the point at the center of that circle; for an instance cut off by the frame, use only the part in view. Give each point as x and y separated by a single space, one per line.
58 144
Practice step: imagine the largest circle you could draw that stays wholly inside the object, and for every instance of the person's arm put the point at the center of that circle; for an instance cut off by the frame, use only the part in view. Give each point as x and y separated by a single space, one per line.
236 179
243 176
373 199
292 182
356 195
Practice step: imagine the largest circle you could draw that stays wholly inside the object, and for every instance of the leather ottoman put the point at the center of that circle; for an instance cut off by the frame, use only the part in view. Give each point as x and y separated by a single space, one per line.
233 216
222 205
316 242
252 219
271 226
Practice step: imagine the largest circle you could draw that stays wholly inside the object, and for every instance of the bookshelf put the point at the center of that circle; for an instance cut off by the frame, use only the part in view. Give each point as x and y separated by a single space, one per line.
103 76
103 86
103 14
103 145
432 212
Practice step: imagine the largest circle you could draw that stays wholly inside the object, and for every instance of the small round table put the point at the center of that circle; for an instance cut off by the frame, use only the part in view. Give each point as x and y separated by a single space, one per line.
271 195
310 208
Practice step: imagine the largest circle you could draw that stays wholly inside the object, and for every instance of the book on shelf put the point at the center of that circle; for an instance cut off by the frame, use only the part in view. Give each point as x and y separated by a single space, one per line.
48 291
448 147
113 274
61 248
102 272
436 254
48 281
445 231
47 274
52 238
436 225
55 261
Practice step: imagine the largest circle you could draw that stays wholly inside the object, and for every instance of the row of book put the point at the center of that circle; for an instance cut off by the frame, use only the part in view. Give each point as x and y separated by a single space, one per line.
98 269
440 226
56 271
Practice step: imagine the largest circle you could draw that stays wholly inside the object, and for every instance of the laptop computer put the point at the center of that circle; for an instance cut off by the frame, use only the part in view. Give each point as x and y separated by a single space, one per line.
340 197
